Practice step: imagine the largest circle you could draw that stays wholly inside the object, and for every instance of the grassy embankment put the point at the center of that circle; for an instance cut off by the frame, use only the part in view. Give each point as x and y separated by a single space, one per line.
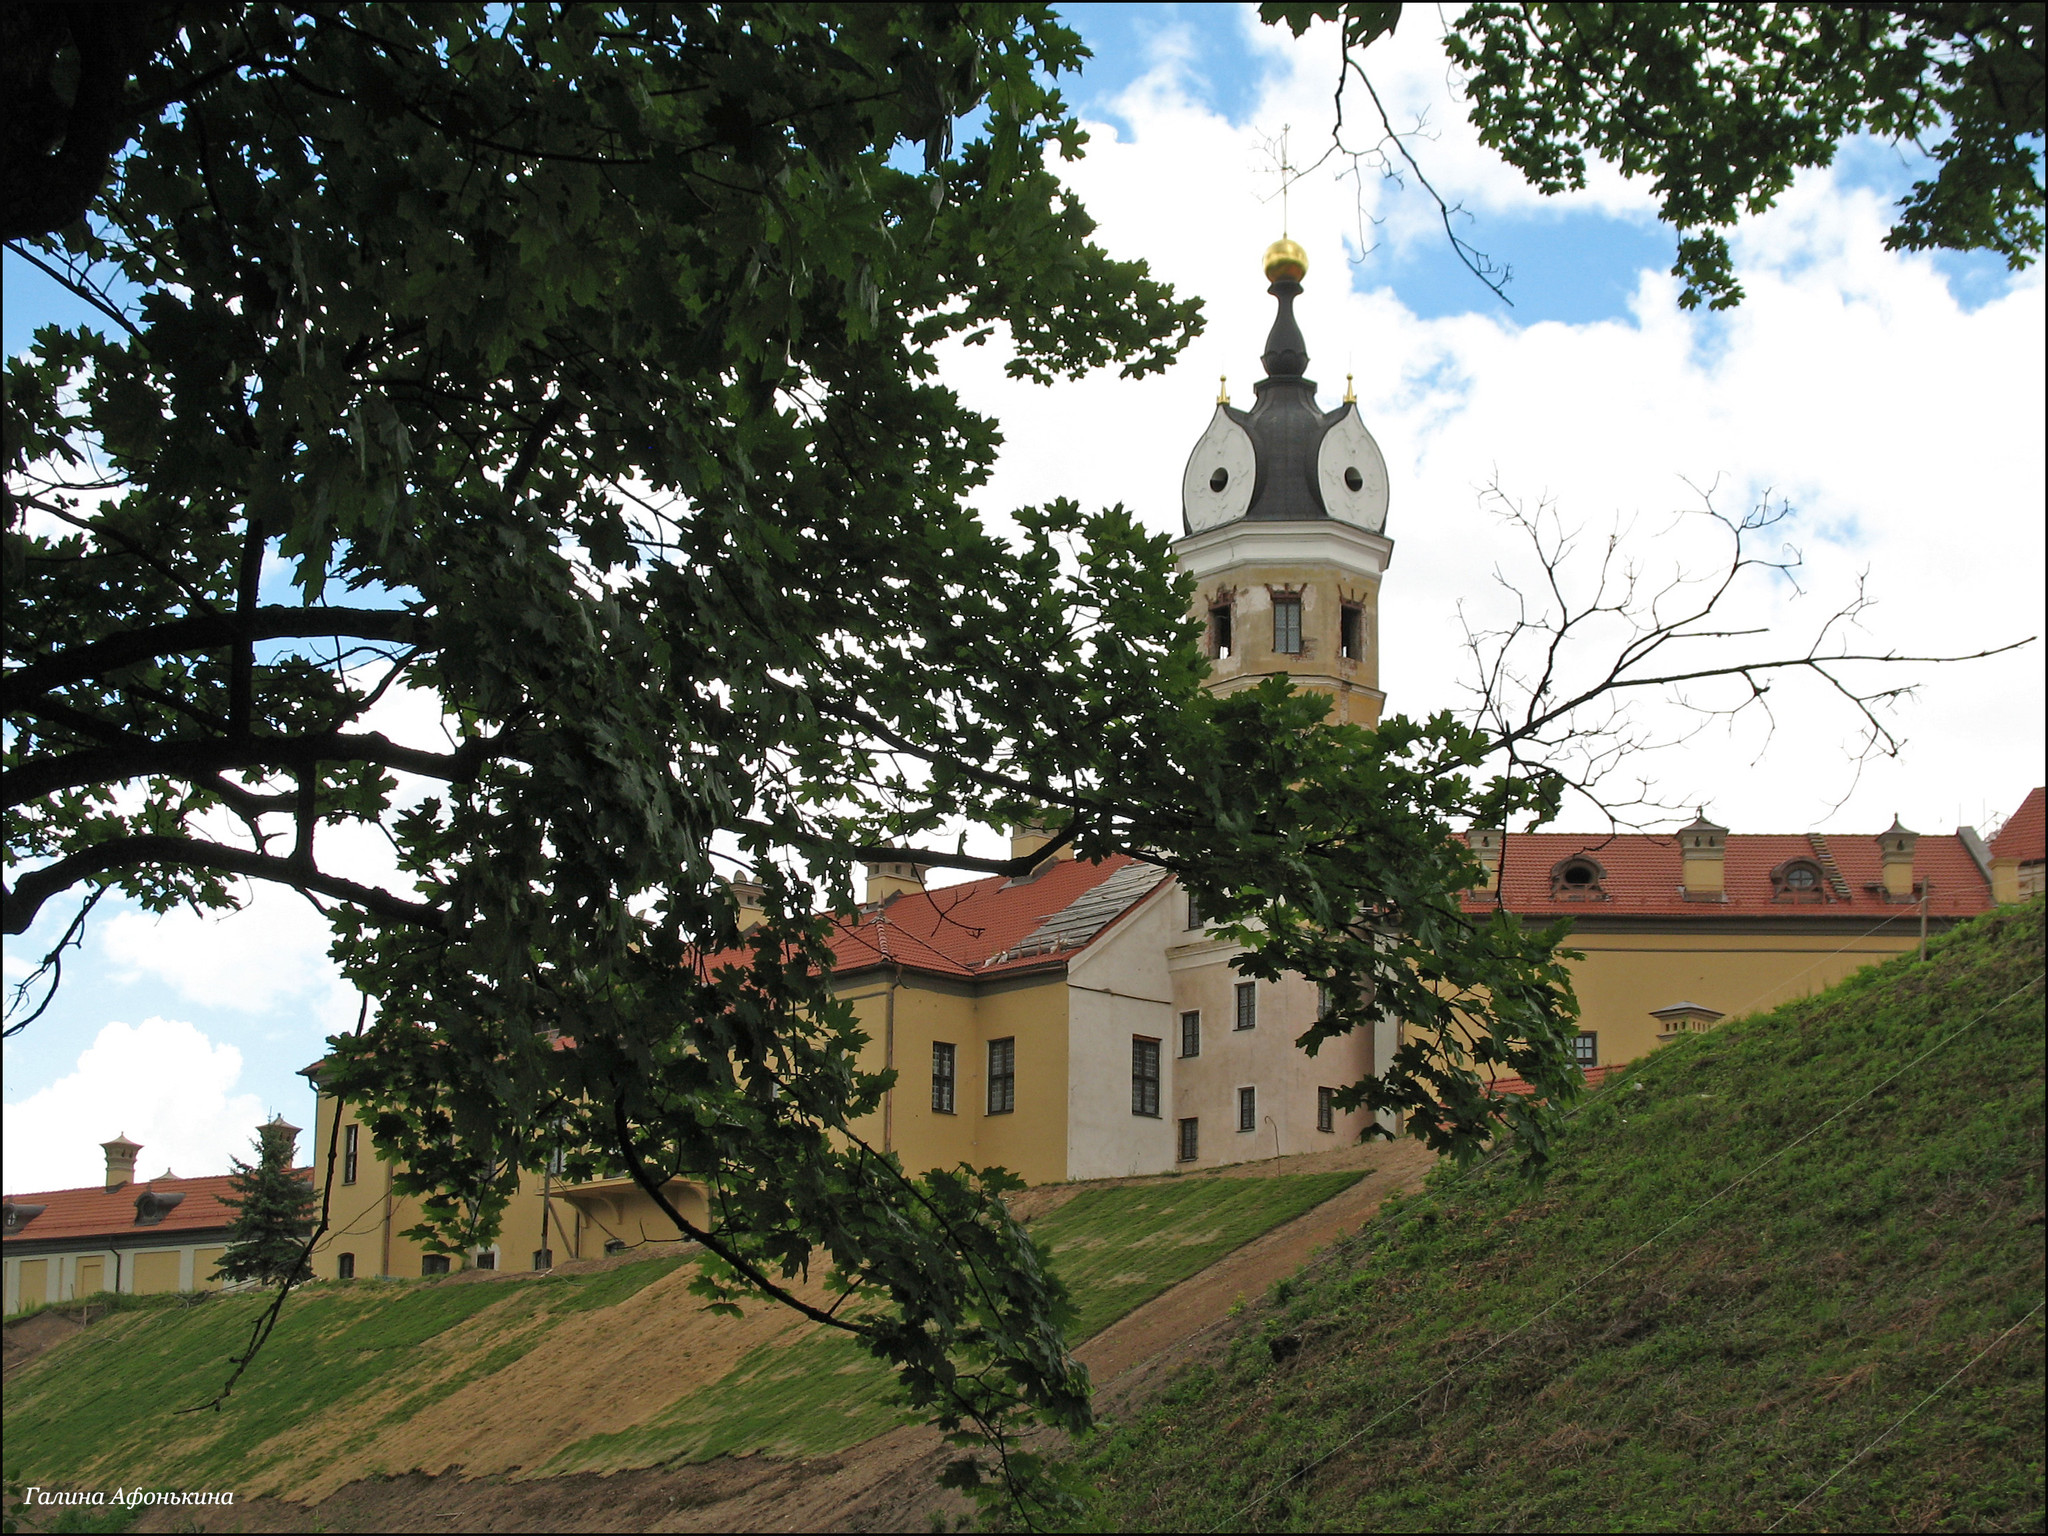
1629 1347
351 1363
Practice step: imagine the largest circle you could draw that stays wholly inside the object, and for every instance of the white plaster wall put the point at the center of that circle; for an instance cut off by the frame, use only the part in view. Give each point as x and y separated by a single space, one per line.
1116 989
1265 1058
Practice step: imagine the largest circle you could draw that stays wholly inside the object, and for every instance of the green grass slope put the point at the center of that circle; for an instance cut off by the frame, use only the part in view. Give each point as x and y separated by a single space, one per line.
1637 1345
103 1407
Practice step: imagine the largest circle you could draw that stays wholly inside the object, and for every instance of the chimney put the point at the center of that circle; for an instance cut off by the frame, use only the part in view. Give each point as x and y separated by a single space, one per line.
887 878
280 1131
121 1155
751 896
1685 1019
1895 846
1485 844
1702 849
1034 835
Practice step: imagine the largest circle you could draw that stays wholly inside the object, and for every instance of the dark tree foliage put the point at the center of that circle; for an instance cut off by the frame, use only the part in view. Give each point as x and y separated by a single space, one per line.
1721 104
569 372
275 1207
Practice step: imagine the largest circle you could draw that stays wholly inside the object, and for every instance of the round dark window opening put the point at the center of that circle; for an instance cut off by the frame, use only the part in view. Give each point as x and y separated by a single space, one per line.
1354 480
1802 877
1579 875
1219 480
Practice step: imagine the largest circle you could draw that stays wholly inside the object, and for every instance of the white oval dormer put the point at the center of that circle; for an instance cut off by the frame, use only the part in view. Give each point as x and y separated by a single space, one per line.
1351 473
1218 484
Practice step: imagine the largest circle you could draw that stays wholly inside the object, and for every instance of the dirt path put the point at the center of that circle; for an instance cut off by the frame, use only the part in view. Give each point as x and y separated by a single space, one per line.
885 1484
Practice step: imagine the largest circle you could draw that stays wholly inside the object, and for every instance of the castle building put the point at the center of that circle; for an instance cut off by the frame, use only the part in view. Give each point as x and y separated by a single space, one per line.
1083 1022
134 1237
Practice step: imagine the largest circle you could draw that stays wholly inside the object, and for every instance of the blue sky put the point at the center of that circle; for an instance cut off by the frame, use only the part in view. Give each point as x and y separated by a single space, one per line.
1896 400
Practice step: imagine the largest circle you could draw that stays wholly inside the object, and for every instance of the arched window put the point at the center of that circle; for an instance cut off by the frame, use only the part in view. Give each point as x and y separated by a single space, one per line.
1798 880
1578 878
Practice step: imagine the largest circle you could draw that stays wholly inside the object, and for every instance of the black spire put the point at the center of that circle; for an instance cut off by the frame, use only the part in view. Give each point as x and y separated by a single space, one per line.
1285 426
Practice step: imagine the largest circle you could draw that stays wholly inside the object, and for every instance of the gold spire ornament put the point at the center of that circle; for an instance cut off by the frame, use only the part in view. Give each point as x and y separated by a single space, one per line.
1223 389
1285 262
1350 392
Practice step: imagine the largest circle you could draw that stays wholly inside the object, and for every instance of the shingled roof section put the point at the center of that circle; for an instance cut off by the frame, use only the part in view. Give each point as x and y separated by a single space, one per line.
2025 834
995 926
1643 876
97 1211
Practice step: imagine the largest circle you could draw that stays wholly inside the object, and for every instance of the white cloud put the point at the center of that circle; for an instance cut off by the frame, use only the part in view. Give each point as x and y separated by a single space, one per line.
162 1083
1905 430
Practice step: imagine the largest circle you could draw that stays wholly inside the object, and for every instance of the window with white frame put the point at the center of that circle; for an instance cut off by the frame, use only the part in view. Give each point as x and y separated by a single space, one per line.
1247 1005
1002 1076
1144 1076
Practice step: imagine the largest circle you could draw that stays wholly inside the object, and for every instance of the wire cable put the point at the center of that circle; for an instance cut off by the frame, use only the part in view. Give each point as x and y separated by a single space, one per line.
1678 1221
1894 1429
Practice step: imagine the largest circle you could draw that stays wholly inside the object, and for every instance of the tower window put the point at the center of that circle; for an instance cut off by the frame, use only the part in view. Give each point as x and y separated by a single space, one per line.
1219 480
351 1150
1353 480
1287 623
1219 630
1351 632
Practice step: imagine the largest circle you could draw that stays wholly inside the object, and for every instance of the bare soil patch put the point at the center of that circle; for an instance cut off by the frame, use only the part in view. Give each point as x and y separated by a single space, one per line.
596 1372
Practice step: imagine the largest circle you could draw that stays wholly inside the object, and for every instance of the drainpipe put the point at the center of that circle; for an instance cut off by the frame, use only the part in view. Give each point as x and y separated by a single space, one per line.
889 1059
1926 890
384 1263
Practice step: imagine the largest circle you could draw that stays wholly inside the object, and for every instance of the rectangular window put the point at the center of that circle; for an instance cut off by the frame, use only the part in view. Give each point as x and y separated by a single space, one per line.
944 1074
350 1146
1247 1109
1191 1032
1326 1109
345 1266
1287 623
1219 631
1194 911
1247 1005
434 1264
1144 1077
1190 1140
487 1261
1002 1076
1586 1048
1351 632
543 1258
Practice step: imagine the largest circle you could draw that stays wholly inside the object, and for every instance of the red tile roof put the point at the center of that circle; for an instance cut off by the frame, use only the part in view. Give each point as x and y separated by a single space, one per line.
1643 876
100 1212
1595 1076
2025 834
994 926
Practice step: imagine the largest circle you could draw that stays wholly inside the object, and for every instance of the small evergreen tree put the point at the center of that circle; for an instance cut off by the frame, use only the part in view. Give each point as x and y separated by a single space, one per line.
273 1212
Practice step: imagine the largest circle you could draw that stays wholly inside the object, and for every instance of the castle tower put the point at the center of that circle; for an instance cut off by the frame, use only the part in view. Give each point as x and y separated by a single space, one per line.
1284 507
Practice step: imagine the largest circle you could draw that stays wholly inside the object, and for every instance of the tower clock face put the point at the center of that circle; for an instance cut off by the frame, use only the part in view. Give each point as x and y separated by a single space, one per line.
1351 474
1218 484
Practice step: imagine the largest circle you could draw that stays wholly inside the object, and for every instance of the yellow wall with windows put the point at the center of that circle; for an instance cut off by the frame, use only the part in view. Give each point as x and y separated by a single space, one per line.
368 1217
1031 1140
1625 975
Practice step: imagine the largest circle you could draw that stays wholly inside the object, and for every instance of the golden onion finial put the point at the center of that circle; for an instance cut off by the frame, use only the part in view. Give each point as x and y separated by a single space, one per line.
1223 389
1285 261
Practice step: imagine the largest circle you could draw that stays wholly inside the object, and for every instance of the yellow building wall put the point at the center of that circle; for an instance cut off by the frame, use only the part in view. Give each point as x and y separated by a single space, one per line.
156 1272
367 1218
204 1262
92 1277
34 1283
1030 1140
1625 975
